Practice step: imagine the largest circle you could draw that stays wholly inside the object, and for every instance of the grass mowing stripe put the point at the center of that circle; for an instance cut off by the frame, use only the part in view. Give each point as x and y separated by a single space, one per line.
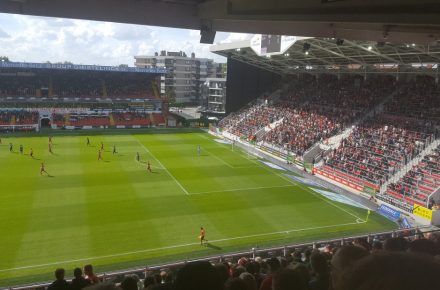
180 246
160 163
218 158
241 189
322 198
308 189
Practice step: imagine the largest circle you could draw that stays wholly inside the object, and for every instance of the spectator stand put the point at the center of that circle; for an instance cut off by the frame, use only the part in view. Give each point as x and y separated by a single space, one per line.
419 181
13 120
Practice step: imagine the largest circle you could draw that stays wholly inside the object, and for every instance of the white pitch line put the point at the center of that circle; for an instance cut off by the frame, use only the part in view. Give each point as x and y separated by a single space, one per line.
218 158
243 189
226 163
220 145
160 163
176 246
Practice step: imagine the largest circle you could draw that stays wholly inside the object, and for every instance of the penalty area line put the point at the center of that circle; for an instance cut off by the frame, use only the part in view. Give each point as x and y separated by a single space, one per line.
163 167
178 246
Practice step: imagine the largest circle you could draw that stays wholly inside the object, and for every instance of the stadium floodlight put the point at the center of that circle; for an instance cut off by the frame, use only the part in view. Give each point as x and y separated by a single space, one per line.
413 44
307 53
370 47
238 49
286 54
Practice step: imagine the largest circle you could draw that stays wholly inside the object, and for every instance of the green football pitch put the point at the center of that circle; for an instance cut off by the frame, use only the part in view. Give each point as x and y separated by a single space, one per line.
115 214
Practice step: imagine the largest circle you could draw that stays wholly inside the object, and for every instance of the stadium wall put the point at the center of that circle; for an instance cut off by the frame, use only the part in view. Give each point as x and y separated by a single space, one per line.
246 82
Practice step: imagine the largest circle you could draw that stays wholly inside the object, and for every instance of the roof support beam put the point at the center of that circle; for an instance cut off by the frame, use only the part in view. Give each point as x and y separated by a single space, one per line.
375 52
338 54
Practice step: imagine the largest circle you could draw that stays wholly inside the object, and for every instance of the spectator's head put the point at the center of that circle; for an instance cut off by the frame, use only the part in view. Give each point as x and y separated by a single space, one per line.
237 270
243 261
319 264
307 254
302 270
103 286
199 275
157 278
423 246
77 272
222 272
297 256
435 237
88 269
392 271
397 244
149 281
129 283
235 284
362 242
251 267
249 279
343 259
59 274
376 246
274 264
288 279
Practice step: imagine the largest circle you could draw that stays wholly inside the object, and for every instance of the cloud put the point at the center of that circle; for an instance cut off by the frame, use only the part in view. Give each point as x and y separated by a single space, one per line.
40 39
4 34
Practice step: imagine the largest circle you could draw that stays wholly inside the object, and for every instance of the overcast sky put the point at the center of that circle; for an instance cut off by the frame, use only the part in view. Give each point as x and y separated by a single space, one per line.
41 39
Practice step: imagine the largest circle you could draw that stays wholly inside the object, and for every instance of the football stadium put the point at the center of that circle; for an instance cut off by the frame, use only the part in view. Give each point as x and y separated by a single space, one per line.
310 162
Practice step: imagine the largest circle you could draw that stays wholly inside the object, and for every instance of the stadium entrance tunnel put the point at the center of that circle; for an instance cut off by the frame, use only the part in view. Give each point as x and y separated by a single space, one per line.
45 122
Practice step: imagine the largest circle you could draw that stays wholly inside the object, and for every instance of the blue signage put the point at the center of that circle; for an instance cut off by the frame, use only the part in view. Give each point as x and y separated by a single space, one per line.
405 223
389 212
30 65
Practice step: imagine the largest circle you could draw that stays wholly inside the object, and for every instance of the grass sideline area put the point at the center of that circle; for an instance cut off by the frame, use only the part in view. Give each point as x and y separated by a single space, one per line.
115 214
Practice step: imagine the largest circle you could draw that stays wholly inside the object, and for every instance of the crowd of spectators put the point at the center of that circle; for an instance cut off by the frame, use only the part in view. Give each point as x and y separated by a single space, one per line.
380 146
58 119
131 118
395 263
417 99
26 118
418 183
135 86
84 85
350 92
98 119
312 109
79 120
25 84
252 120
72 84
5 118
19 117
304 126
377 148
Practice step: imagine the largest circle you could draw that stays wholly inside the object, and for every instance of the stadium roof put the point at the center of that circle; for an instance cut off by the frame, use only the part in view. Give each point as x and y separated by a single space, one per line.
391 20
317 55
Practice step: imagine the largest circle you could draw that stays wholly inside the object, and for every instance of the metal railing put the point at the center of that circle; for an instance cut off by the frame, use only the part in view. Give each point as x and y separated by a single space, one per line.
278 251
